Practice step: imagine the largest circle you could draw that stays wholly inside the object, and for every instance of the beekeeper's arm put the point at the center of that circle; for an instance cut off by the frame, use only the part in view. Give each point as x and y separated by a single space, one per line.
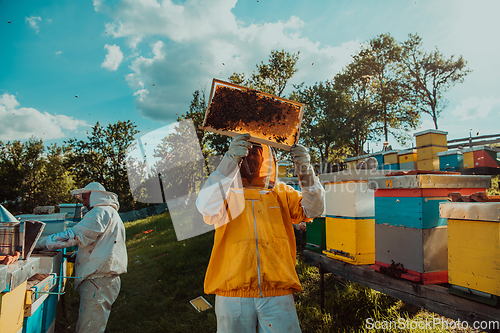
215 190
84 233
313 193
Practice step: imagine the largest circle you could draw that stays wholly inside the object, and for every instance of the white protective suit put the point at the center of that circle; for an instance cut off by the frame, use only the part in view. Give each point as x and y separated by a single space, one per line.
101 256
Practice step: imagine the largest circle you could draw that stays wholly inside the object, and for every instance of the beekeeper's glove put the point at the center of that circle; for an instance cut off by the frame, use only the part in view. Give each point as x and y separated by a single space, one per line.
40 244
239 147
301 159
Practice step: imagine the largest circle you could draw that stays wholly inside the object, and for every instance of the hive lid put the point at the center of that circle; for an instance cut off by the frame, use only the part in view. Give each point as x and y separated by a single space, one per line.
434 131
442 180
31 233
6 216
477 211
269 119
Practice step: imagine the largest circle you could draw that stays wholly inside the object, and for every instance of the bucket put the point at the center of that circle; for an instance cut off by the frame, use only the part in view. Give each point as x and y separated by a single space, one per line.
9 238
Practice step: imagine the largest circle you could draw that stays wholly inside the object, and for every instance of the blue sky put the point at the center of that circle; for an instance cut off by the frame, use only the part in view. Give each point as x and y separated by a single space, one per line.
66 64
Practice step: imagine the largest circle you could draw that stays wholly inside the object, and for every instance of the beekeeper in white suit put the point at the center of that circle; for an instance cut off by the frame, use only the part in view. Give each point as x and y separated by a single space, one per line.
101 256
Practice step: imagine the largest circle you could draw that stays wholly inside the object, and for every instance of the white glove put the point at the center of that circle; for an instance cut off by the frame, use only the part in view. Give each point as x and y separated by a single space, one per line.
239 147
301 159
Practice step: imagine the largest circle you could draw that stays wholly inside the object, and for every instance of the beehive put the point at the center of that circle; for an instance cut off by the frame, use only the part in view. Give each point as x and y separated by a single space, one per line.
351 162
316 235
350 211
12 309
451 160
347 193
485 156
407 159
429 165
390 157
408 229
269 119
429 152
351 240
473 245
431 137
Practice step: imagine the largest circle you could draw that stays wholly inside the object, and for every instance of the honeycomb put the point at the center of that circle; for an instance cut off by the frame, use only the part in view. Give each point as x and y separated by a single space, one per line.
248 111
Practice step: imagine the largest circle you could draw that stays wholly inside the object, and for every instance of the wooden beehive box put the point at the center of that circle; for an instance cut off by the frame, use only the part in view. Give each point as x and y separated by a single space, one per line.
316 235
269 119
408 229
431 137
347 193
451 160
473 245
407 159
351 240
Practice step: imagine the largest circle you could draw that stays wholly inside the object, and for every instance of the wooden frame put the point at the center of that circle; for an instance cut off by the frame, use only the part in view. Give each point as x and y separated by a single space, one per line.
291 138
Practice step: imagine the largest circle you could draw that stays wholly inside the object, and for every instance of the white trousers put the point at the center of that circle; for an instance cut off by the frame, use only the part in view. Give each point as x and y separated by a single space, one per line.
246 315
96 298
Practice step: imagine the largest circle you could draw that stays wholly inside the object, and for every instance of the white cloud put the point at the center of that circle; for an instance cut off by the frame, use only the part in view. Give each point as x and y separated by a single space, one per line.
58 52
22 123
113 58
474 108
203 40
33 22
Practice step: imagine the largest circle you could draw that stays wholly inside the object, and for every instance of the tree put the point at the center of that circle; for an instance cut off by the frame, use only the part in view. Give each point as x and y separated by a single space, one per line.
101 158
271 78
428 75
378 62
323 122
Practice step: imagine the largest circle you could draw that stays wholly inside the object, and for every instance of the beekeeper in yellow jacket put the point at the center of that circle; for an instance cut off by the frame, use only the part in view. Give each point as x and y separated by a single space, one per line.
101 256
252 266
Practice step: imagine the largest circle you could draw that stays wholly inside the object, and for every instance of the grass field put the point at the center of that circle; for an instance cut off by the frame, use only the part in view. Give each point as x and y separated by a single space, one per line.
164 275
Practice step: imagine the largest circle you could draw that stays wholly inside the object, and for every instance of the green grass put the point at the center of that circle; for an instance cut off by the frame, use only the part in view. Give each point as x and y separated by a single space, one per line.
164 275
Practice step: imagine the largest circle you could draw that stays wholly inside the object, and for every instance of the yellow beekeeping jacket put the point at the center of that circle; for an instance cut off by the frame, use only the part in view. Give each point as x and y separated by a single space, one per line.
254 245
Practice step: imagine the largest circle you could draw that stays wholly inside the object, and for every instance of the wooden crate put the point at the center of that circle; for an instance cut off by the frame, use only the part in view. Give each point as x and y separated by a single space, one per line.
12 309
420 253
431 138
451 160
351 240
269 119
429 165
473 245
429 152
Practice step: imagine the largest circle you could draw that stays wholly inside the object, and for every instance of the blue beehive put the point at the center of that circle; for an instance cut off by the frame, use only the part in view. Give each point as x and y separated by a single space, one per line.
451 160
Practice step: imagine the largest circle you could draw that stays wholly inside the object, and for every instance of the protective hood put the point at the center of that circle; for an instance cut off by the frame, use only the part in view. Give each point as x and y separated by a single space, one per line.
267 173
98 196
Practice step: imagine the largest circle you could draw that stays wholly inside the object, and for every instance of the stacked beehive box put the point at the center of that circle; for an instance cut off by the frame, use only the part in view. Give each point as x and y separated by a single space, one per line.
429 144
407 159
350 215
473 246
410 237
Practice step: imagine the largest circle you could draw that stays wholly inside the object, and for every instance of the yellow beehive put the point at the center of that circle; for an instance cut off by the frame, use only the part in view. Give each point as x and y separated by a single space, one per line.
468 156
351 240
431 138
473 245
427 153
391 157
430 164
12 309
406 156
351 162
